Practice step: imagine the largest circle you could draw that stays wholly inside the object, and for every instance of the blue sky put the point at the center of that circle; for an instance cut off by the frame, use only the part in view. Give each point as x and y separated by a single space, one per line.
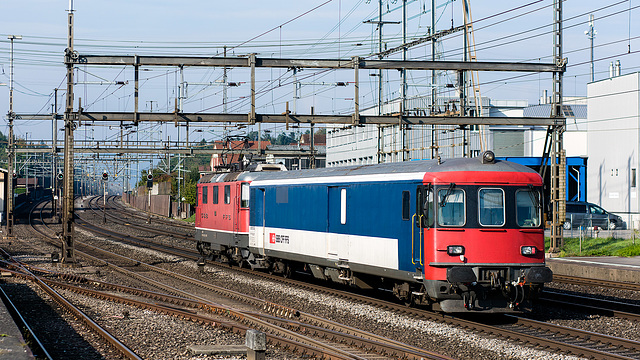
505 31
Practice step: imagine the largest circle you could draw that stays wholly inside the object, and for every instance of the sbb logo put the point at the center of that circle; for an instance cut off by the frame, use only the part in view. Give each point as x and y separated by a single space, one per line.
272 238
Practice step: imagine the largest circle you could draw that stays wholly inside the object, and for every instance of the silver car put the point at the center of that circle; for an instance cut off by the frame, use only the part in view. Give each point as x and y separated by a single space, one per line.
584 214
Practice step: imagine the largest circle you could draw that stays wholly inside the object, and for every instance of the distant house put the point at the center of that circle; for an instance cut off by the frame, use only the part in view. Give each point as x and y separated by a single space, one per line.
318 139
223 160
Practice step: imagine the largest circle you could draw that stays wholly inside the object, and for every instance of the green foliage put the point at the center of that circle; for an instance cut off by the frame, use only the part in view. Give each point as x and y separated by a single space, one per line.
190 172
191 219
633 250
281 139
188 192
599 247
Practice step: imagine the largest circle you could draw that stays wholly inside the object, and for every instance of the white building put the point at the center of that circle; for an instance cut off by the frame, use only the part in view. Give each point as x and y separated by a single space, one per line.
360 145
613 143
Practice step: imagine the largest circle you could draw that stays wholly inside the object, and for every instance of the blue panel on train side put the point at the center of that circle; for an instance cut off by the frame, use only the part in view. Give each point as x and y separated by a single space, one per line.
372 209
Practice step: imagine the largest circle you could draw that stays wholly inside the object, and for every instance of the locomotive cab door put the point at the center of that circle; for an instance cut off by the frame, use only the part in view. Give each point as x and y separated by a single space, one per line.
422 222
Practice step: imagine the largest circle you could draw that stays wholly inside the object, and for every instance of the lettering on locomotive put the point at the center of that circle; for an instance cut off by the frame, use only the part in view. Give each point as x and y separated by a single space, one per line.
278 239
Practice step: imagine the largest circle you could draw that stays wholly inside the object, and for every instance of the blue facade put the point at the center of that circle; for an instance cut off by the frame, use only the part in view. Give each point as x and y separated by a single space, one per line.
576 186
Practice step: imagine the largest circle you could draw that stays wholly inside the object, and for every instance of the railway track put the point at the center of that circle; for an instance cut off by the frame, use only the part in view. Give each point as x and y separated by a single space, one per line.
31 337
559 338
377 347
136 213
576 280
75 311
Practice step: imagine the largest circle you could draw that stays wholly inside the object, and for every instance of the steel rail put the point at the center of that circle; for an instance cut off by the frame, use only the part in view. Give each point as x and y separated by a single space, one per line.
148 228
602 306
489 329
350 335
31 338
576 280
84 318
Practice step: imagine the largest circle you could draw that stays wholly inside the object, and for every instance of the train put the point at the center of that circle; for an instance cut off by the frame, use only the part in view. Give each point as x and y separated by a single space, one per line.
456 235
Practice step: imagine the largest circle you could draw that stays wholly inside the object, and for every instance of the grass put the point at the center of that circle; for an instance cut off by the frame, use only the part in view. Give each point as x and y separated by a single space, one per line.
191 219
599 247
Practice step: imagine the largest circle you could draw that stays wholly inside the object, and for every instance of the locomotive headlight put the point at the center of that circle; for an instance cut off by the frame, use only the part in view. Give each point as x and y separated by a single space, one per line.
455 250
488 157
528 250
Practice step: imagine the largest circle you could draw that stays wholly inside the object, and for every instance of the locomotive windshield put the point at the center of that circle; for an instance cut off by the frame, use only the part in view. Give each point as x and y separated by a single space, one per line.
451 211
528 208
491 207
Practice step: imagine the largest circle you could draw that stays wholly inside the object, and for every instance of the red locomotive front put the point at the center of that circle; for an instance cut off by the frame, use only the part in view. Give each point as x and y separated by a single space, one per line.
483 239
222 216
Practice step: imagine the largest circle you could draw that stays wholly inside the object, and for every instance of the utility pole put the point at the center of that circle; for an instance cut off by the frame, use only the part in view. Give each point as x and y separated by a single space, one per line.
591 34
557 158
54 150
379 24
434 93
403 90
68 247
11 162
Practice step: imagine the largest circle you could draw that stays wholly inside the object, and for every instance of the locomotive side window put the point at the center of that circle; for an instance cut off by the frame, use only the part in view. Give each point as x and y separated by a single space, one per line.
214 195
528 208
244 195
491 207
424 206
205 194
451 209
406 210
343 206
227 194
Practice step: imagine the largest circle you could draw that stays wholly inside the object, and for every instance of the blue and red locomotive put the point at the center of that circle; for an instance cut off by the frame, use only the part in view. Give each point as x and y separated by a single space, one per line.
459 234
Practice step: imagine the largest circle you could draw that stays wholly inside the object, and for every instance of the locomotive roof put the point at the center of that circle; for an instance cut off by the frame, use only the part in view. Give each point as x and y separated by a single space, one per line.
408 170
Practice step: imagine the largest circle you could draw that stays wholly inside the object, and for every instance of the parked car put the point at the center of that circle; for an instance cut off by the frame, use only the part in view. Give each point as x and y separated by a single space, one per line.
582 213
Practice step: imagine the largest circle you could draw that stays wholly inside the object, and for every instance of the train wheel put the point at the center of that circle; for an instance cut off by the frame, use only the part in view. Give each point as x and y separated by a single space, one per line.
286 272
409 301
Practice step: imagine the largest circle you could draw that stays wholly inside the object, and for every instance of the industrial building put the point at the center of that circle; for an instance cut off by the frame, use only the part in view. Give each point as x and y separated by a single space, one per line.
613 142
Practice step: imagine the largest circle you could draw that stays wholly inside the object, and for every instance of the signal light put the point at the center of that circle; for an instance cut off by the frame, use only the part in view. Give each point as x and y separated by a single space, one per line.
105 176
60 176
15 176
149 180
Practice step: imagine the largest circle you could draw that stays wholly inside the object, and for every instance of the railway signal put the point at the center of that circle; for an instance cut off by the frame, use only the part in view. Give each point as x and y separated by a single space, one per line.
105 176
149 186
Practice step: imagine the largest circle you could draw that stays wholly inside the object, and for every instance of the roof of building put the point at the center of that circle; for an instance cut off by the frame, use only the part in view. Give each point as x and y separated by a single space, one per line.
544 110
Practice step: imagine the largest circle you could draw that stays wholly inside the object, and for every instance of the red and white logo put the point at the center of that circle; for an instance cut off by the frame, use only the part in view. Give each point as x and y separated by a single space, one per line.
272 238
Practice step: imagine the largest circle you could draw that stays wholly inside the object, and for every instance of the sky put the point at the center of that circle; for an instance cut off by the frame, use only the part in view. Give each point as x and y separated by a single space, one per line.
503 30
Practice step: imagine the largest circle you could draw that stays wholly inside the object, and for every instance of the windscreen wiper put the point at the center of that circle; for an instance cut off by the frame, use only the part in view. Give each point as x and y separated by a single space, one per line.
443 201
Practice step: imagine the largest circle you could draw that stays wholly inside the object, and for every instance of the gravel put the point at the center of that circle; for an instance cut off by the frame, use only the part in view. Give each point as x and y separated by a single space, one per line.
155 336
